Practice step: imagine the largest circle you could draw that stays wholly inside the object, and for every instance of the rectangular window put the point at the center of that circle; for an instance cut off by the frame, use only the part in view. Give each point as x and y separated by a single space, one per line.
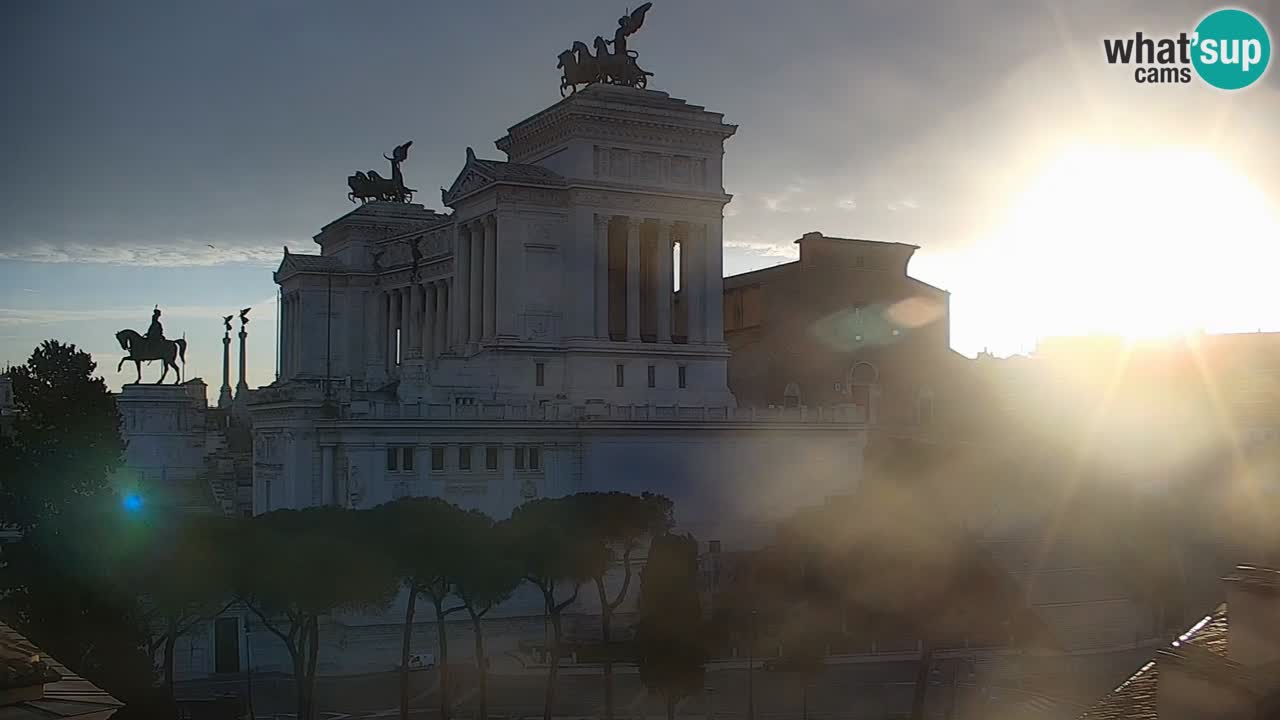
621 375
393 459
520 457
407 454
653 376
491 458
464 457
540 374
437 459
682 376
535 458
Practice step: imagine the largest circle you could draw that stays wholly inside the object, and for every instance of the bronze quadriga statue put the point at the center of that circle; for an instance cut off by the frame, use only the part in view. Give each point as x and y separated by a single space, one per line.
372 186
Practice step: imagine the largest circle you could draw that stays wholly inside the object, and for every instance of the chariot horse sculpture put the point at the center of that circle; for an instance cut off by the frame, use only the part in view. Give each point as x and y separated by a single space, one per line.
140 348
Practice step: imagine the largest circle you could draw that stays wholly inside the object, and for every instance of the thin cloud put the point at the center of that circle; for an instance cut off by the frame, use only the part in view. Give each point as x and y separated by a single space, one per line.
179 254
12 317
754 245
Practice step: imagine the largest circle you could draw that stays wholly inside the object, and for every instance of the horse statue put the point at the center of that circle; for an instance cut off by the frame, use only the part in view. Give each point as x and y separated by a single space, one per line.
579 67
140 348
372 186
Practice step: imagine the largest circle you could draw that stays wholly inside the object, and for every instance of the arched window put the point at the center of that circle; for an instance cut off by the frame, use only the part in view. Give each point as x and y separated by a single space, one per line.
862 377
791 395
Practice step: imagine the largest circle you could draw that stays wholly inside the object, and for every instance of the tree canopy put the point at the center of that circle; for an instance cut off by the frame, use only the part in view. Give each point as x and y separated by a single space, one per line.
66 436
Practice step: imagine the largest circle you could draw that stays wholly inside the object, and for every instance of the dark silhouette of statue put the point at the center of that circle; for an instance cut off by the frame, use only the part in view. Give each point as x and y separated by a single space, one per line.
152 346
156 331
414 274
372 186
580 67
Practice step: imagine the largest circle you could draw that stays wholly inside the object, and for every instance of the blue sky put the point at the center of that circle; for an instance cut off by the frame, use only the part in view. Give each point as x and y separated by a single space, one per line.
137 134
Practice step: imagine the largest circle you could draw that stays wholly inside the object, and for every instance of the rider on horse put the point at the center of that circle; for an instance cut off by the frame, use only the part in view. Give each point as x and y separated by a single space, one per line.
155 333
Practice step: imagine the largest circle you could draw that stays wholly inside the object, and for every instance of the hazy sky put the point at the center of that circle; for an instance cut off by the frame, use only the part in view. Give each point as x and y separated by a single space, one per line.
136 134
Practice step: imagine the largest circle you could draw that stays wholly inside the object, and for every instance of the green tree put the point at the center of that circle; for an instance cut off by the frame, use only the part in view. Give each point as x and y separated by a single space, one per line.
54 471
421 536
554 552
296 566
66 438
486 575
619 523
178 567
670 637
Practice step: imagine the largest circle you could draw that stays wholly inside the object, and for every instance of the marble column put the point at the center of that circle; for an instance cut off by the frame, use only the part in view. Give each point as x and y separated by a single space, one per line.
428 324
633 279
371 340
695 276
489 301
442 315
714 251
393 312
475 285
415 321
406 323
326 475
461 284
662 286
295 332
283 331
601 227
446 312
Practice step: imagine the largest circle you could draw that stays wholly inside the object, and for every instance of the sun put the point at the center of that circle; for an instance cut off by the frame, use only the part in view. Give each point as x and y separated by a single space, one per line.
1138 242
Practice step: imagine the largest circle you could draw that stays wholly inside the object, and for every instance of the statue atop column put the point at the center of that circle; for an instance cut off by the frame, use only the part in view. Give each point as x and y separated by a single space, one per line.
580 67
372 186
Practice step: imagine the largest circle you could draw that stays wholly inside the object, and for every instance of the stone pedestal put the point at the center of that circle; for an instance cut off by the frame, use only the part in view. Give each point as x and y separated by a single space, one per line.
165 428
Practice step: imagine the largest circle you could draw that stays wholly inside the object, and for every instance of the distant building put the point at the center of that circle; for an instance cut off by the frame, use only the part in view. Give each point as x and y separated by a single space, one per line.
843 325
8 409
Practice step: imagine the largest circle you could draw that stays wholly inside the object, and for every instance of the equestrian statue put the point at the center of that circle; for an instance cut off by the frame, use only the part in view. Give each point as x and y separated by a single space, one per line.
372 186
580 67
153 346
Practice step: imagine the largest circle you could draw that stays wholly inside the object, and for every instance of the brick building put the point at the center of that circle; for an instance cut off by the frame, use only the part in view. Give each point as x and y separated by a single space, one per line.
844 324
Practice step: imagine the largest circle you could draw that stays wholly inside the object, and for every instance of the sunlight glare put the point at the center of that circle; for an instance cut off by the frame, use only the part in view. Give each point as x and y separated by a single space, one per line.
1135 242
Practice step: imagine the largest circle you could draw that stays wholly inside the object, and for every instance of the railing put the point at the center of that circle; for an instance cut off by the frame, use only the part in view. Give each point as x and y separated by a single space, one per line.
600 412
350 407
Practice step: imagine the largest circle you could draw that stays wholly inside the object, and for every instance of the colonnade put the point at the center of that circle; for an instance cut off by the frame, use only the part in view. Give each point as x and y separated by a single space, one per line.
634 278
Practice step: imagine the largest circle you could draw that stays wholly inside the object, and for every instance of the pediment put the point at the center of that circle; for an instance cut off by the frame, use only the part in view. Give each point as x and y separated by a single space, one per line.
472 177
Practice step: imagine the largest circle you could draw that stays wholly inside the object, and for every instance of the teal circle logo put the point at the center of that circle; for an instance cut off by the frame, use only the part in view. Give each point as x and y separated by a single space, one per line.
1231 49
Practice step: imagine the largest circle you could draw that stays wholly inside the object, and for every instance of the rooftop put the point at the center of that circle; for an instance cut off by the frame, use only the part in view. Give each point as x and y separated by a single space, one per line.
875 243
35 686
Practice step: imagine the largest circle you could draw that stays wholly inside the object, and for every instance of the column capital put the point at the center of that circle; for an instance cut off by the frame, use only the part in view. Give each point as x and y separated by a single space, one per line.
489 221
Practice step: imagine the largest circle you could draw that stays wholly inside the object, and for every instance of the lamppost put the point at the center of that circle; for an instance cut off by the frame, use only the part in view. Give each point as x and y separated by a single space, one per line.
751 661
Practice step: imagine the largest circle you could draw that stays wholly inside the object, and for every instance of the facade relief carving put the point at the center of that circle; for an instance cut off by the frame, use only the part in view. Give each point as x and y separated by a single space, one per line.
542 237
533 196
656 204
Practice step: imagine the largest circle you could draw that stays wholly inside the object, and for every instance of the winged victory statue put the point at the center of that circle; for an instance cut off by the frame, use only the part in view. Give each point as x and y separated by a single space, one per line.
616 67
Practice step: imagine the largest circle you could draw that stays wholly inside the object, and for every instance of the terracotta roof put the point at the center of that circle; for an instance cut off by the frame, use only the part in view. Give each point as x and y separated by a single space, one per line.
1135 698
65 696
